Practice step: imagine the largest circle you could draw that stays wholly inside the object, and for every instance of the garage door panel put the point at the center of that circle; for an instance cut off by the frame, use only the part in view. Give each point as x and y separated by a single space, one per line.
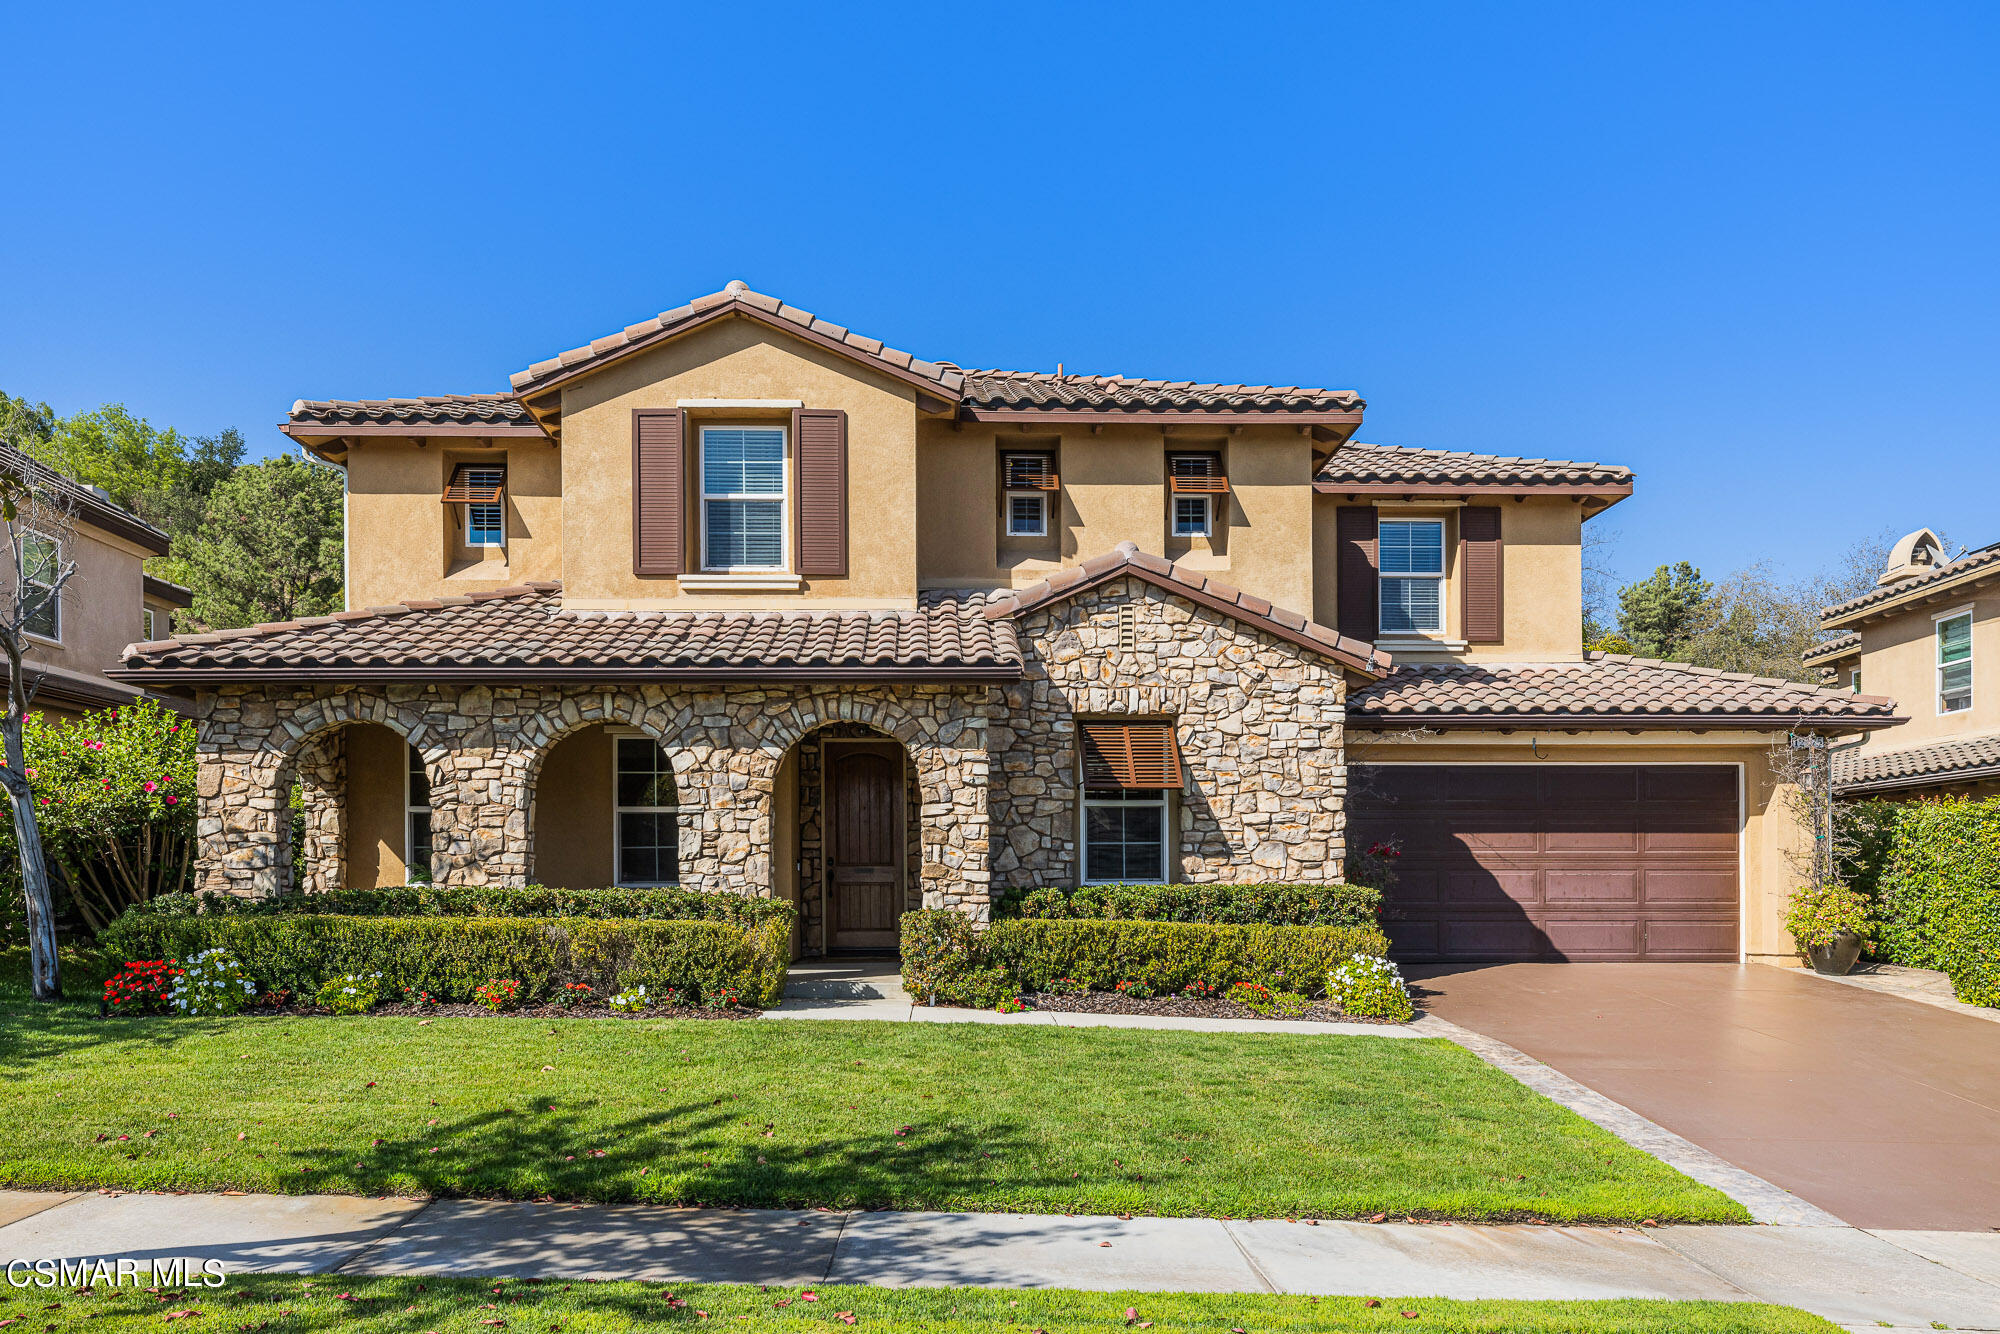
1602 862
1603 885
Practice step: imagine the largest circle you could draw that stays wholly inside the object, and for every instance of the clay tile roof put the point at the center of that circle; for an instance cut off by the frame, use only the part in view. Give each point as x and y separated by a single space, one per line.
432 410
737 297
1605 689
1961 759
1363 464
1127 560
524 632
1983 562
1029 391
1838 647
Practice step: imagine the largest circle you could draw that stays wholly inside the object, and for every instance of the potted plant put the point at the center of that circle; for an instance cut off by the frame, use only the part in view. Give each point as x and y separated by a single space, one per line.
1829 925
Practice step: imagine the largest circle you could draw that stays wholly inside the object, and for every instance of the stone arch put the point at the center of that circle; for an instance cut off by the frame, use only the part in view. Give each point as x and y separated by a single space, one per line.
806 714
545 730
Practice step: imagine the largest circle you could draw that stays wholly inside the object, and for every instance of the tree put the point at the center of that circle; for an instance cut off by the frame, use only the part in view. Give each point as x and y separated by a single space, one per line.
126 455
23 424
1659 614
1599 581
37 516
269 547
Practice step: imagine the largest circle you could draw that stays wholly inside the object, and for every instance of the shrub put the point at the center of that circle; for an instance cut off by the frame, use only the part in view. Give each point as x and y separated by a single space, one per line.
1938 893
1368 986
1237 905
498 994
638 905
449 956
353 993
212 982
1817 918
574 994
946 959
140 987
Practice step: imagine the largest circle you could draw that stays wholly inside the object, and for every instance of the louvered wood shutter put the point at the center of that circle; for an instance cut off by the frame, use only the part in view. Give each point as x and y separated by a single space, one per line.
1480 554
1136 756
1359 596
659 490
819 444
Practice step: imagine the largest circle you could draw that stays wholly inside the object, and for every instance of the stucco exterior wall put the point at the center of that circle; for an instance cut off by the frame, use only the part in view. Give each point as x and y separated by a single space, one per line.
377 831
404 543
1899 658
738 360
101 606
1259 723
573 813
1769 834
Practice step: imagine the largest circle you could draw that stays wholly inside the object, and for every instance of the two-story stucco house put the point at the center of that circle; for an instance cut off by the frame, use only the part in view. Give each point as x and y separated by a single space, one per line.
109 597
741 599
1928 634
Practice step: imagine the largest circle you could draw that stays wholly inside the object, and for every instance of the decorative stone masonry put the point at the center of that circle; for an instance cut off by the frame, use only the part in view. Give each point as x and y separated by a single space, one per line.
484 746
1260 722
812 833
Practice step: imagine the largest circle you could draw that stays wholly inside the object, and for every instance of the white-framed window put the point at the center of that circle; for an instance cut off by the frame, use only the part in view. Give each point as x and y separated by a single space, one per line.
646 821
486 523
1854 680
1124 836
146 623
1412 583
416 819
1027 514
41 561
743 498
1191 516
1954 661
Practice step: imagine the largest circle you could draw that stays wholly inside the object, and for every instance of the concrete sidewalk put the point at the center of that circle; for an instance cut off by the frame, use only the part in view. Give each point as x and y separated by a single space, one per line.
1857 1278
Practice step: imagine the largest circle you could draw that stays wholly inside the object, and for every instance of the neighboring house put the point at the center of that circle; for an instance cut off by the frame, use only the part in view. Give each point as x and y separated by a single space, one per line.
107 605
739 599
1929 635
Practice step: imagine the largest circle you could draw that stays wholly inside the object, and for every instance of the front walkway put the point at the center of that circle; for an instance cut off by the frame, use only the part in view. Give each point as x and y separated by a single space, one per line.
1879 1109
1903 1279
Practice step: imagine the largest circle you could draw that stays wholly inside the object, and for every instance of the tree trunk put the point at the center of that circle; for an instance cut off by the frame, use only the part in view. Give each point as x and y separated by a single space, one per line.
34 866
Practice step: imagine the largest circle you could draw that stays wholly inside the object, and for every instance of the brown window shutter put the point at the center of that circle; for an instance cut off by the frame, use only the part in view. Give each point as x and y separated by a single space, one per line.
1133 756
1480 554
659 482
819 442
1359 572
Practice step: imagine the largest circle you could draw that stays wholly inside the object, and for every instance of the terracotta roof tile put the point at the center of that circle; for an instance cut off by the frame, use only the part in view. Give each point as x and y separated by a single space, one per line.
433 410
1604 688
525 631
1126 559
1960 759
1028 391
1986 560
1363 464
1838 647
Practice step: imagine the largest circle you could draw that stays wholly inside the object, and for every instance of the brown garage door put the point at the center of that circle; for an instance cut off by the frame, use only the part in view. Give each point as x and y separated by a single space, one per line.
1601 862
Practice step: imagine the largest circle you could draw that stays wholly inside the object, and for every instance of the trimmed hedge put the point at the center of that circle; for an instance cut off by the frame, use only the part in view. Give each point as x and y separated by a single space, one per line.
647 905
1936 877
947 959
449 956
1235 905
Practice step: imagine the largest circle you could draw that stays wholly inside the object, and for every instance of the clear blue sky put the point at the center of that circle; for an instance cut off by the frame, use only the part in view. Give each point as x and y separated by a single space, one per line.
1747 249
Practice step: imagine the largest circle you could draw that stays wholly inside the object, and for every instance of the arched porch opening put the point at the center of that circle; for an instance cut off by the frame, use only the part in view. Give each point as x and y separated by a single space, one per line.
608 809
361 803
854 812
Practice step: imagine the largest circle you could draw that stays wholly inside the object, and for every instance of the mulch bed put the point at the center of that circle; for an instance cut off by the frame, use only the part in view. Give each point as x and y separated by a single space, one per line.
1186 1007
404 1010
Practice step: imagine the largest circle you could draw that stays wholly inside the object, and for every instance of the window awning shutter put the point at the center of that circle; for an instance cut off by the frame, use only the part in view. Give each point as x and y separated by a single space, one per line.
1028 471
819 448
475 484
1131 755
1196 475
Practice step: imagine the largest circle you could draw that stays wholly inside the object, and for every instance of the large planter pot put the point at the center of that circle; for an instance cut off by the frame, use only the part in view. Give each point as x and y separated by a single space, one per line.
1837 958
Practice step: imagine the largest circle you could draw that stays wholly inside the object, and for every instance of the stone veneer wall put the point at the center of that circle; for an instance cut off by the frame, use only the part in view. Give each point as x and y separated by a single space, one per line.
1261 726
484 747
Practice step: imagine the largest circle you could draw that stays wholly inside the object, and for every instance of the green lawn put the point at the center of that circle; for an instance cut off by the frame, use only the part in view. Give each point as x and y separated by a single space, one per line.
794 1113
273 1304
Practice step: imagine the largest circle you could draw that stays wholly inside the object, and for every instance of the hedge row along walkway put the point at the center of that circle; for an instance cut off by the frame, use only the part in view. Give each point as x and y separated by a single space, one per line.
1846 1275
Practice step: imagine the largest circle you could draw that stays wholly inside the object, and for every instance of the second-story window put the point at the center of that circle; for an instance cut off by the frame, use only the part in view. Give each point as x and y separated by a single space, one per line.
41 561
743 497
479 491
1027 515
1194 482
1412 563
1027 480
1954 662
1191 516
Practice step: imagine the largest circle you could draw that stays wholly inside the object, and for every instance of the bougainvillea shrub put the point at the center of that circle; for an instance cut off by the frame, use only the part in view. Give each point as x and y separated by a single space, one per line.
141 987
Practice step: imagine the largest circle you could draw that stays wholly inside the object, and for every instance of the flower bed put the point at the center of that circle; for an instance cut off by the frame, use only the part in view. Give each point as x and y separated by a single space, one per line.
645 905
1186 1007
1217 905
452 958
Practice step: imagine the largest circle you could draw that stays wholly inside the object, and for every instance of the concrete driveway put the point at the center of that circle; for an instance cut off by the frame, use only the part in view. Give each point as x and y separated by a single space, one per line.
1880 1110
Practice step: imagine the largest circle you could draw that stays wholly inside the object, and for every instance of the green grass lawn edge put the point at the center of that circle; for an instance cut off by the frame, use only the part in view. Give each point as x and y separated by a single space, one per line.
288 1304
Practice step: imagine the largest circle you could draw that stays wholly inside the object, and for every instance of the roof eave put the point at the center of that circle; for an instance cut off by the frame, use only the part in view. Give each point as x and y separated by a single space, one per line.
1304 417
1362 721
1971 774
1610 492
201 676
1832 618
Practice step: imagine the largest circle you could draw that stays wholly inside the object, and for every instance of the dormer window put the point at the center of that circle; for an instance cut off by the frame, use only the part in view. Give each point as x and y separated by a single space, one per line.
478 491
743 498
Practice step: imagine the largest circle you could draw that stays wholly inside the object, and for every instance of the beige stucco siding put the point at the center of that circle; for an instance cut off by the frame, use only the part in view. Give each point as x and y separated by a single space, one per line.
738 360
1899 659
573 813
1768 831
403 542
377 770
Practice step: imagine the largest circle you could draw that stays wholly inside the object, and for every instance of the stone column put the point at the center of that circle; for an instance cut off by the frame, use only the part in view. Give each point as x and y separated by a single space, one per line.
952 773
243 831
322 767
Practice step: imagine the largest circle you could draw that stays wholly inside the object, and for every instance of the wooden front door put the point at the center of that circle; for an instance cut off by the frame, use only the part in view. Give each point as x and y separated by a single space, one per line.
864 861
